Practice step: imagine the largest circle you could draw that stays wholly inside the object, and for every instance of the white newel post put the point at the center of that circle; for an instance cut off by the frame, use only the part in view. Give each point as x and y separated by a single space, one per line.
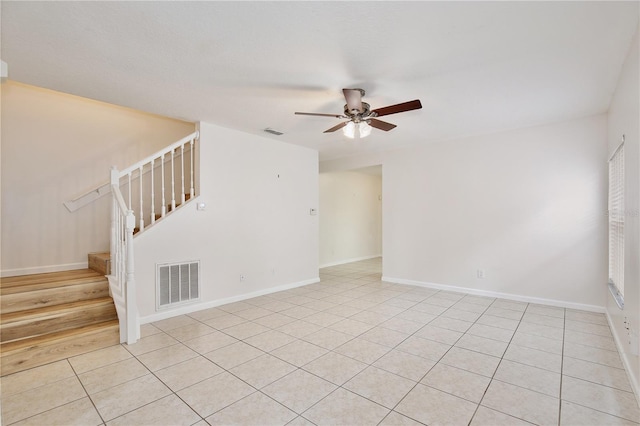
133 329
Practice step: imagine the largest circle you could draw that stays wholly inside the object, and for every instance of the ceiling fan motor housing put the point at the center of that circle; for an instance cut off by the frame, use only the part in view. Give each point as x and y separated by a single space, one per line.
358 116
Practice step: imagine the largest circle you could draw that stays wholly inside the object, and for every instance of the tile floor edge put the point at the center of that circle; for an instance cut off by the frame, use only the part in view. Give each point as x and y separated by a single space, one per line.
499 295
188 309
626 362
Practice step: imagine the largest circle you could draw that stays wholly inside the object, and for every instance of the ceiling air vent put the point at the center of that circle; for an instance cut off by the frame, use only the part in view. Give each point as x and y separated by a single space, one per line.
273 132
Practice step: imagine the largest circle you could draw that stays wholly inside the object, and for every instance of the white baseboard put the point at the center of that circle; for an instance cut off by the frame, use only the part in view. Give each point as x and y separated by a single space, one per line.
509 296
187 309
43 269
626 362
354 259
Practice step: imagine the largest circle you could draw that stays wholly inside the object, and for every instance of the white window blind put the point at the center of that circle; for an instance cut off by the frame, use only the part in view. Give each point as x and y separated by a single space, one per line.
616 223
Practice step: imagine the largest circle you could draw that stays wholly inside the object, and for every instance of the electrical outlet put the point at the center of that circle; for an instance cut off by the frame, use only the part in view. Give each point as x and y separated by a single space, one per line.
242 277
481 273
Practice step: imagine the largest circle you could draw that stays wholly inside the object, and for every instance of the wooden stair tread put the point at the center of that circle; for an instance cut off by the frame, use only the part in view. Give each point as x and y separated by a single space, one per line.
7 282
50 283
100 262
101 255
44 339
51 319
21 301
32 352
47 310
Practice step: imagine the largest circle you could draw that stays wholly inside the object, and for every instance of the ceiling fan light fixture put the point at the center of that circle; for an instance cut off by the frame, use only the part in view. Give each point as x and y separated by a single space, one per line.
349 130
361 130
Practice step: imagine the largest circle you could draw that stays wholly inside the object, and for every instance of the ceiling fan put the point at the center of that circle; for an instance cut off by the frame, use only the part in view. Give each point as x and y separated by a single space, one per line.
361 117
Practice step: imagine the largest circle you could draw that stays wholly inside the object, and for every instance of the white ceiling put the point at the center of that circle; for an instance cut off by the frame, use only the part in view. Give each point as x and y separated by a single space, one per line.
477 67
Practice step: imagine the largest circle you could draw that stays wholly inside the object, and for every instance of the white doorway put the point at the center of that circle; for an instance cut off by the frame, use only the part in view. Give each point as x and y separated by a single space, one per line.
350 215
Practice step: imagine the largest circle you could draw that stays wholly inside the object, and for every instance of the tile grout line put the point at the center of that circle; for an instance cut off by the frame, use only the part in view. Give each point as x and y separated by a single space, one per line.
564 329
436 362
66 403
497 367
367 366
87 392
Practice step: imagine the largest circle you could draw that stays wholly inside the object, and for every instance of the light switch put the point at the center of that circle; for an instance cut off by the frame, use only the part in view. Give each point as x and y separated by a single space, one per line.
313 212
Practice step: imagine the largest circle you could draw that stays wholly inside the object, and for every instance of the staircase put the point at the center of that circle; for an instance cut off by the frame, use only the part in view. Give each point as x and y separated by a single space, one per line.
49 317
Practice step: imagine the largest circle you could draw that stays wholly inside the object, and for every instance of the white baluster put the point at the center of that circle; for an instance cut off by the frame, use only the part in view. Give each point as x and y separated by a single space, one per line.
191 190
163 209
182 171
114 179
173 184
121 254
129 190
117 265
153 198
141 212
112 243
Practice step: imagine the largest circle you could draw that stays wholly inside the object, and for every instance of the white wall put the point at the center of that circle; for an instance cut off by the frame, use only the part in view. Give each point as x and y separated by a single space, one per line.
624 118
526 206
258 193
350 217
54 148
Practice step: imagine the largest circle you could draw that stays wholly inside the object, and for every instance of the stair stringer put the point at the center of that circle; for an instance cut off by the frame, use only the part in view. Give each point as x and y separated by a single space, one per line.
117 294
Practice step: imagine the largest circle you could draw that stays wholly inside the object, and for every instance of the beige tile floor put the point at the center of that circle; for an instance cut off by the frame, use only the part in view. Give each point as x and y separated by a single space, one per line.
350 350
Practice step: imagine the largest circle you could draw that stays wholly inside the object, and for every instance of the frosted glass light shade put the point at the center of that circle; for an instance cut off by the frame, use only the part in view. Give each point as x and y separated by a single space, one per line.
362 129
365 129
349 130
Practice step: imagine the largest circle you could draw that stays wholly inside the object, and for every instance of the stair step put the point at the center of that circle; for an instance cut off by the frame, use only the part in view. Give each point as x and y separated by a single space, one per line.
50 277
32 293
100 262
23 354
34 322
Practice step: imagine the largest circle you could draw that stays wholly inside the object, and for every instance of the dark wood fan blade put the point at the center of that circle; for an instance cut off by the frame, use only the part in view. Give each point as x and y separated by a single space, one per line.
394 109
334 128
320 115
354 99
382 125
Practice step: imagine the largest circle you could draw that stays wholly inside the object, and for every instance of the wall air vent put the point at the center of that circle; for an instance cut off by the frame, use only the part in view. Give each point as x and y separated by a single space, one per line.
273 132
177 283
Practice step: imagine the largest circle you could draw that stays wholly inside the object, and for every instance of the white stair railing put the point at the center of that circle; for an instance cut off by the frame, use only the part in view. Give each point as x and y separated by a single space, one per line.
123 222
147 193
122 281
